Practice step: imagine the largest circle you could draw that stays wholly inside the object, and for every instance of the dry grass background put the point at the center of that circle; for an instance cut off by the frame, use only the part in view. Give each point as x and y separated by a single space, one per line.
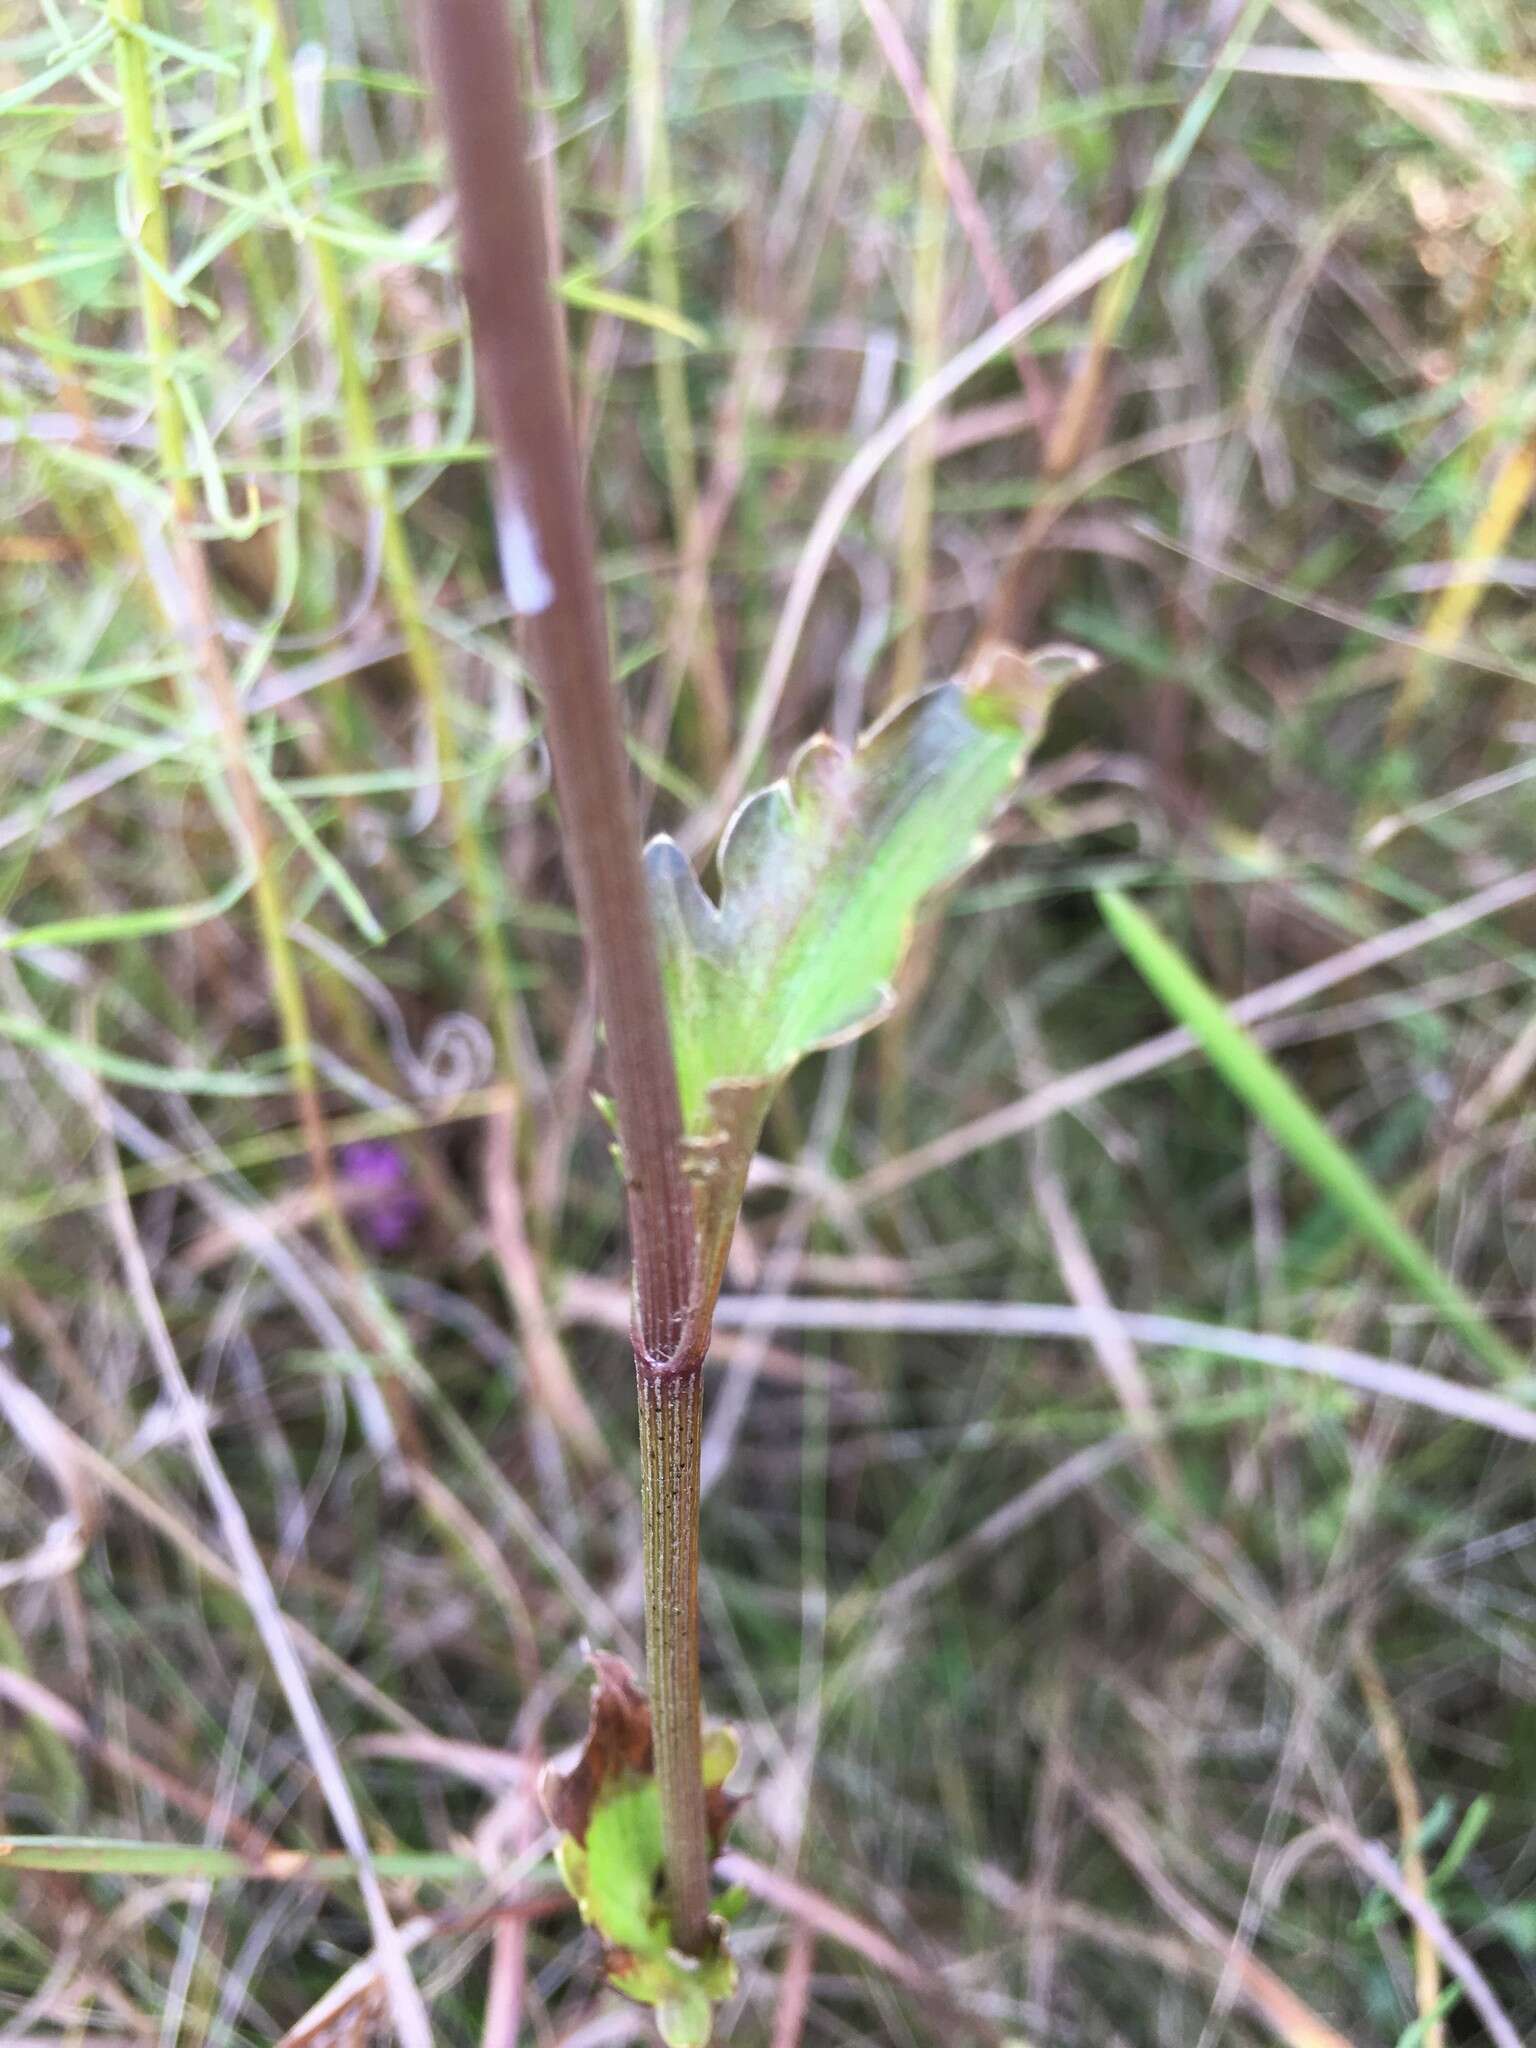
1094 1689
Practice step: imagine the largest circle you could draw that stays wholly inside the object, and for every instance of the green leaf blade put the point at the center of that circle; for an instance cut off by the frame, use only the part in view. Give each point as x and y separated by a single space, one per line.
1251 1074
822 876
823 873
624 1859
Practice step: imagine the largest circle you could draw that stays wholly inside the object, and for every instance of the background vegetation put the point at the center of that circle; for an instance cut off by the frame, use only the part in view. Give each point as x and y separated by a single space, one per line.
1092 1691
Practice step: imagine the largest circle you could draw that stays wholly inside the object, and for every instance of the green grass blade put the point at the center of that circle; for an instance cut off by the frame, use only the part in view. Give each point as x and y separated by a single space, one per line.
88 1856
1250 1073
330 869
112 929
594 298
135 1073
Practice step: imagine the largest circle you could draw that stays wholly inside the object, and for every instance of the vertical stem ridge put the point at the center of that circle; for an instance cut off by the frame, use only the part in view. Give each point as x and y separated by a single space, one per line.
671 1406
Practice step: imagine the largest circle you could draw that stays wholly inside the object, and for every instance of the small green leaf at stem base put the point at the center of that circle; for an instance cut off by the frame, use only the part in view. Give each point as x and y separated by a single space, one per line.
605 1799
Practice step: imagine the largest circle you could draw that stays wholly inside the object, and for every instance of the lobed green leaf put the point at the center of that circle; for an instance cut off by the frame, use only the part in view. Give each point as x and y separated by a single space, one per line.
821 878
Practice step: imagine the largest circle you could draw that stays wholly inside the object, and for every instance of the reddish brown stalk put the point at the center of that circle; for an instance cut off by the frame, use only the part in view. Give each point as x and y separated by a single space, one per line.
551 578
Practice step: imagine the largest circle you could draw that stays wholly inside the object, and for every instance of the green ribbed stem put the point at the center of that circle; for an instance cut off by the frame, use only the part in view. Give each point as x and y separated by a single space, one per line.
671 1428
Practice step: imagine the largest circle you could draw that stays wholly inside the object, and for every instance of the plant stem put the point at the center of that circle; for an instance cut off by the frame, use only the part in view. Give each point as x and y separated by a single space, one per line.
671 1430
552 580
551 577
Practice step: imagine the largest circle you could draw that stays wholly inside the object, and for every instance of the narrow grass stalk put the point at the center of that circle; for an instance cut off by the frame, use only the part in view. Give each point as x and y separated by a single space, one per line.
1382 1378
1117 297
184 596
178 574
927 349
407 2007
971 220
1114 302
915 548
1249 1071
551 578
154 246
698 651
1097 262
1454 609
396 568
1393 1745
101 1856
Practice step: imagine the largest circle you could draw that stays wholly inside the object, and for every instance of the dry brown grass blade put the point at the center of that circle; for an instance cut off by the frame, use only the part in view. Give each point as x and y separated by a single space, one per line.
505 1985
1410 1819
476 1761
182 1538
406 2005
348 2014
1117 1355
1286 2014
54 1445
794 1987
1373 1860
1338 64
551 1380
1070 1091
345 2015
1384 1378
1290 2019
1103 259
968 211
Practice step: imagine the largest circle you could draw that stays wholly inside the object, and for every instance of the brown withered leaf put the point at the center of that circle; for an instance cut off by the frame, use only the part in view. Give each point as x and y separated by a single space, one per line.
618 1742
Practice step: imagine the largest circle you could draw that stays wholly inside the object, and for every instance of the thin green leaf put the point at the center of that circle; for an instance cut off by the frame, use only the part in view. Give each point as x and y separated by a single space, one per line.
129 924
331 871
87 1856
1249 1072
138 1073
579 290
61 265
71 62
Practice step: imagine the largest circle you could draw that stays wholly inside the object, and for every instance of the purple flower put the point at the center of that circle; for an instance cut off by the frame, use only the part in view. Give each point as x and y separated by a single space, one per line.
374 1172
